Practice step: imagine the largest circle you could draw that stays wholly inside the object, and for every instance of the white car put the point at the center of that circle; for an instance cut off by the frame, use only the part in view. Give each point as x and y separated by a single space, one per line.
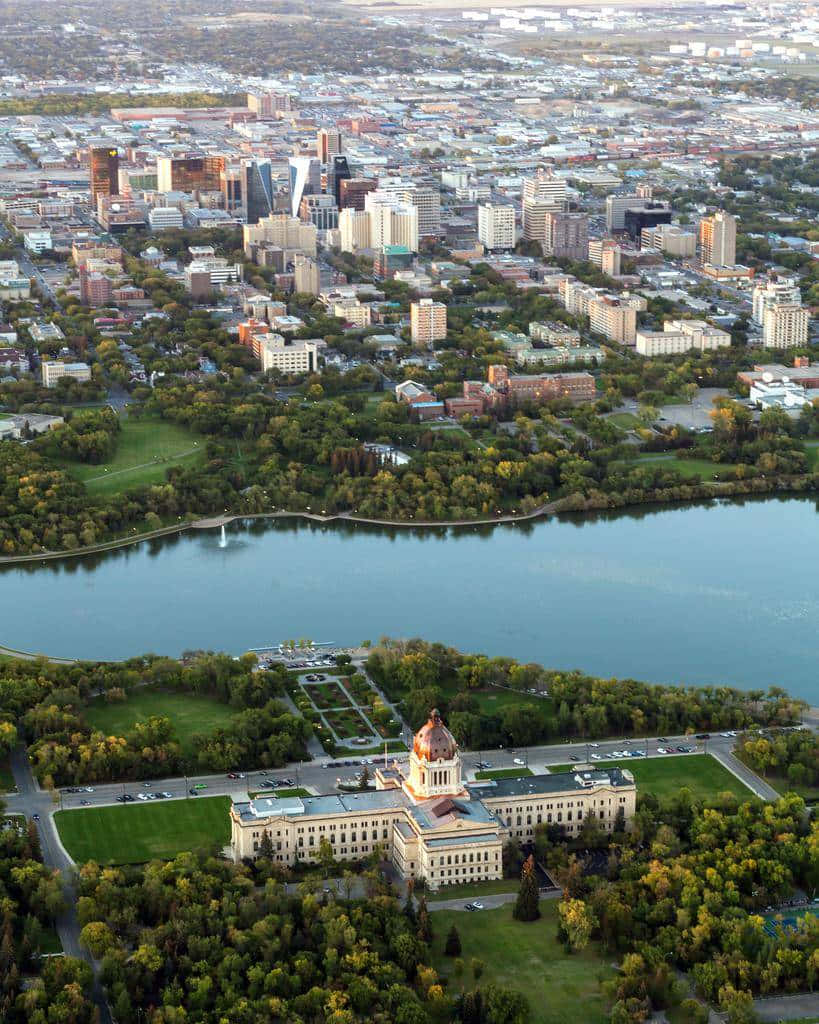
478 905
726 735
519 761
596 757
142 796
619 753
595 745
662 750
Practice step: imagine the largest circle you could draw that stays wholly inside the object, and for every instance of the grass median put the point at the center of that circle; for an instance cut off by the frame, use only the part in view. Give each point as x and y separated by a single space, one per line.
135 833
664 776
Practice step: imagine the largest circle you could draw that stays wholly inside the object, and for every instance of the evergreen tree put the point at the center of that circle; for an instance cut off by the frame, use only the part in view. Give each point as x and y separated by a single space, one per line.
266 845
453 942
526 907
424 923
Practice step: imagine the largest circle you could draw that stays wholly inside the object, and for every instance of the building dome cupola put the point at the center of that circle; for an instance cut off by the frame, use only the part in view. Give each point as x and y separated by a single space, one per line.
433 741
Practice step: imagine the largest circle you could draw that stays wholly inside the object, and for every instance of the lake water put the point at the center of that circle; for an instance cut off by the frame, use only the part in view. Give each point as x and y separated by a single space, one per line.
721 594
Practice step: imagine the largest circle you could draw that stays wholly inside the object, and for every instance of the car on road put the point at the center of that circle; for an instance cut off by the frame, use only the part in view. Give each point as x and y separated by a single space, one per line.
682 750
638 753
85 803
125 798
662 739
193 791
703 736
478 905
311 678
269 784
88 789
167 796
519 761
146 785
200 785
596 757
662 750
35 817
236 775
574 757
470 907
594 746
618 753
320 677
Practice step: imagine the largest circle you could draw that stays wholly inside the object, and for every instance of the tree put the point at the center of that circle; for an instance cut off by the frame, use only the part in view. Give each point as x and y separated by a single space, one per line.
266 846
424 923
578 921
364 778
526 907
478 967
452 946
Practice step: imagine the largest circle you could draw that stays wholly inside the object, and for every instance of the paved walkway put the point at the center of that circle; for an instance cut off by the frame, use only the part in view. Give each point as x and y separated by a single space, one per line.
741 771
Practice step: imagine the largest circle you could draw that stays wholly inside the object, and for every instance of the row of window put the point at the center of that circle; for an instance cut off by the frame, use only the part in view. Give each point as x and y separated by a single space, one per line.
456 858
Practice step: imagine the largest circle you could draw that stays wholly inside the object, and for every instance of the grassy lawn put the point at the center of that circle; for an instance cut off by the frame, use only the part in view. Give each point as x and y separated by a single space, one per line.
360 689
145 449
135 833
700 469
782 784
6 778
624 420
393 747
700 773
189 713
528 958
476 889
494 699
504 773
347 724
812 453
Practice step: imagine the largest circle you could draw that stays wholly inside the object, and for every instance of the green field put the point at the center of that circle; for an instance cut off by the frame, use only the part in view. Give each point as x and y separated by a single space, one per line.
146 448
624 420
6 778
782 784
700 469
135 833
812 453
50 942
504 773
393 747
700 773
528 958
189 713
475 890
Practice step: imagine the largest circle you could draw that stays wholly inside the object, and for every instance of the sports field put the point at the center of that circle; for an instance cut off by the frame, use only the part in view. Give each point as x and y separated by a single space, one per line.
663 776
146 448
528 958
189 713
135 833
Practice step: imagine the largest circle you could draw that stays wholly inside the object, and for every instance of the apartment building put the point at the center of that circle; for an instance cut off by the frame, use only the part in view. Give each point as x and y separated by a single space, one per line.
775 291
615 319
307 277
718 240
427 322
353 312
542 195
566 235
670 239
552 332
496 226
283 231
392 222
354 227
681 336
606 254
785 326
296 357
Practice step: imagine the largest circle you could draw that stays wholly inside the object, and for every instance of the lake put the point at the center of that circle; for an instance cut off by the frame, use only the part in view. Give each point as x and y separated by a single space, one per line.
726 593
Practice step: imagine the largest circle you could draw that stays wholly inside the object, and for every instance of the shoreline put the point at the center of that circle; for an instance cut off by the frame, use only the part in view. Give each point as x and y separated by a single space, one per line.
566 505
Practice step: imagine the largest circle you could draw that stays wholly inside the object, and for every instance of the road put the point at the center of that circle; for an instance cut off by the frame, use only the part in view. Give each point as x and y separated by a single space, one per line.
54 856
322 774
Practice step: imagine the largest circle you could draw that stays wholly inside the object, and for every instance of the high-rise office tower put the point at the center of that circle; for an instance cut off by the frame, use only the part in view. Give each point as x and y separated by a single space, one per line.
616 207
391 221
257 189
305 179
104 172
189 173
542 194
354 226
328 144
337 171
496 226
353 192
232 184
718 239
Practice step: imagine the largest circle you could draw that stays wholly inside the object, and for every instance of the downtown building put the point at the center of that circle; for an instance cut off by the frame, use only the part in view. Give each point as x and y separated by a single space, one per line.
427 322
542 195
678 336
496 226
718 240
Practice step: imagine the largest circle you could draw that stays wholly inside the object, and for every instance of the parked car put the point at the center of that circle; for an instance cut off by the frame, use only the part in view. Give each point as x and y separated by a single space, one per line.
142 796
574 757
703 736
193 791
519 761
596 757
85 803
470 906
35 817
662 750
478 905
